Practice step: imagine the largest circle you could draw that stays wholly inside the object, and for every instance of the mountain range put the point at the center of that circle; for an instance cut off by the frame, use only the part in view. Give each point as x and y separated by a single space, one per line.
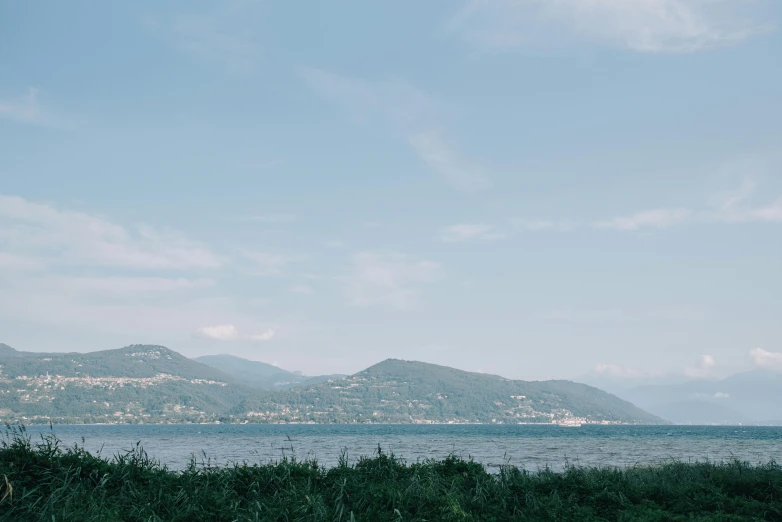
144 383
261 375
395 391
751 397
133 383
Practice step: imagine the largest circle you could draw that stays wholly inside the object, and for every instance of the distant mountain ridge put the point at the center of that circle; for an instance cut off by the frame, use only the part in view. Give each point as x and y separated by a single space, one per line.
144 383
7 350
140 383
145 361
753 397
258 374
409 391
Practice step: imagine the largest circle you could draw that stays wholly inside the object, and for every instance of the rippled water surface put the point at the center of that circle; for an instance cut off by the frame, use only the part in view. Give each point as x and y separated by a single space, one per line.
530 447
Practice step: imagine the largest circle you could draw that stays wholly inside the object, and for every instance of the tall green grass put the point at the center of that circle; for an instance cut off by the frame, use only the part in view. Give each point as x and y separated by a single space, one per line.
43 481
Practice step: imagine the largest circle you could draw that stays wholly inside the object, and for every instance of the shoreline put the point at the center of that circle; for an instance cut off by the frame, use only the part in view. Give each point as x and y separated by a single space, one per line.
44 481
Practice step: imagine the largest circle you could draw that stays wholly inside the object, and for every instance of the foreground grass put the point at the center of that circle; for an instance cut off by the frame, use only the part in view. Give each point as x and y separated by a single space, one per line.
40 480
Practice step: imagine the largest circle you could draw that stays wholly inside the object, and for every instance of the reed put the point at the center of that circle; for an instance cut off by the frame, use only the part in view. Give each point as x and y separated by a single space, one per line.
40 480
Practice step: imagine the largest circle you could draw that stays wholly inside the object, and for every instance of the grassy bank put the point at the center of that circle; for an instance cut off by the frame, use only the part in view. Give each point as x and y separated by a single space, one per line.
40 480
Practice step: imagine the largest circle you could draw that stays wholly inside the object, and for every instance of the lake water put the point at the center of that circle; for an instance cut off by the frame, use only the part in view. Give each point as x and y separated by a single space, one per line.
528 446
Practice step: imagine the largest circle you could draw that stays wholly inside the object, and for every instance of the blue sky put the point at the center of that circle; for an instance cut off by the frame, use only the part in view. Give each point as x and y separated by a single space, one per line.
535 189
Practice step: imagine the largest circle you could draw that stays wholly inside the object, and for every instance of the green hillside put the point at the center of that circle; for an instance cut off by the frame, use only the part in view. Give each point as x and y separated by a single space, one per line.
142 383
138 383
401 392
260 375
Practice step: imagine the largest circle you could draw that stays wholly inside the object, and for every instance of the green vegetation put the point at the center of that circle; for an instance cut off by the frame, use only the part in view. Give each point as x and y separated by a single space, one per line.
136 360
260 375
138 383
403 391
153 384
41 481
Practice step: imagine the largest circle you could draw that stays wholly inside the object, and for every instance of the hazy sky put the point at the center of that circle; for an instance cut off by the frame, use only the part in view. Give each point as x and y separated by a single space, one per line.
531 188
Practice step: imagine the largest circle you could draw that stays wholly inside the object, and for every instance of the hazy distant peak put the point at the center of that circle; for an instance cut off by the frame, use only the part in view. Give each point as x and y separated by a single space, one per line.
7 350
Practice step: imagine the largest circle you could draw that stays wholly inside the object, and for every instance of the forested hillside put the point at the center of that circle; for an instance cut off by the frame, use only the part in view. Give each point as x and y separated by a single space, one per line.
404 391
141 383
260 375
138 383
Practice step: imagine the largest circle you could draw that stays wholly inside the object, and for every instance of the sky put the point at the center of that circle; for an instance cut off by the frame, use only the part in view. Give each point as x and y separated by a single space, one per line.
537 189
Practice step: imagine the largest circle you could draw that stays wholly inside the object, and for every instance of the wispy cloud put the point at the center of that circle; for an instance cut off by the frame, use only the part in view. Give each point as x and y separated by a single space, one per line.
433 150
124 286
619 372
409 112
266 335
537 225
83 272
736 207
765 359
587 315
229 332
224 37
262 165
461 233
704 368
151 308
658 218
44 232
650 26
267 219
13 262
24 109
389 278
302 289
220 332
270 264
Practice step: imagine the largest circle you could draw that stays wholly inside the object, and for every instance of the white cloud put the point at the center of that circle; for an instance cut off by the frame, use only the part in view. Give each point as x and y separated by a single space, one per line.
60 236
150 309
409 112
266 335
302 289
659 218
25 109
461 233
728 207
229 332
721 395
766 359
81 272
221 332
652 26
705 365
389 278
269 264
735 207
